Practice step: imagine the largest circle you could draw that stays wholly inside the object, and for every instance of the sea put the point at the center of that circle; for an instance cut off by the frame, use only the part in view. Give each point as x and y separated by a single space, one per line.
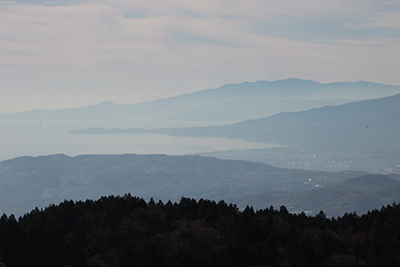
46 137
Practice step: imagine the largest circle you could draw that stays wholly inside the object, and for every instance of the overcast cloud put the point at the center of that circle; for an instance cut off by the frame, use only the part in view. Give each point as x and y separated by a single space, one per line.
56 54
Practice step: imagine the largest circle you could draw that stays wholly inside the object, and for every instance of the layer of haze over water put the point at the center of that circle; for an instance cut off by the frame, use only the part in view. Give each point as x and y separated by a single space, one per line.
36 138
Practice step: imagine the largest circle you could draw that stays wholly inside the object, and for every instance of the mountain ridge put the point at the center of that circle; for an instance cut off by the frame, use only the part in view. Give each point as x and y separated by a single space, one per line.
350 120
363 133
34 181
291 94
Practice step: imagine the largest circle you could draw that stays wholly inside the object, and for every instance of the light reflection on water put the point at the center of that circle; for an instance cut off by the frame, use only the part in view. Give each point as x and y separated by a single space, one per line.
34 138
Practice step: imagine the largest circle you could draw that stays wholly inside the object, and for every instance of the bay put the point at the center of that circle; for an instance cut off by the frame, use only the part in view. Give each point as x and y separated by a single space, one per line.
35 138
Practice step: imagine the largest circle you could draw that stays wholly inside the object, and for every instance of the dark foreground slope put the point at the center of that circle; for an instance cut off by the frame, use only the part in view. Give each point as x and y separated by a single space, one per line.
27 182
127 231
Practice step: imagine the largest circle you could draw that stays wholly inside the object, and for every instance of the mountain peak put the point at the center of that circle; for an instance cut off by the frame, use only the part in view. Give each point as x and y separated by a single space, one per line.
107 103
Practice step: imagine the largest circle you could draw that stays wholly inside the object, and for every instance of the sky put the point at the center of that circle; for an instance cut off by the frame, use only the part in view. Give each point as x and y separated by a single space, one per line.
59 54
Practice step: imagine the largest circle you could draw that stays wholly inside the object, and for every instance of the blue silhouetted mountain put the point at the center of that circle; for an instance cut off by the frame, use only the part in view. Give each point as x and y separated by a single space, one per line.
231 102
370 125
26 182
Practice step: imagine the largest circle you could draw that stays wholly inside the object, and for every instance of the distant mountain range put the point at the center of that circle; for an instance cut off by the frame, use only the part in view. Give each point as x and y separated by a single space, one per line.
365 126
228 103
361 135
27 182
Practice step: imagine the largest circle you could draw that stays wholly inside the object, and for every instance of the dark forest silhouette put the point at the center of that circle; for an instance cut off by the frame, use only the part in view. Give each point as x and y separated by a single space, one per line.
128 231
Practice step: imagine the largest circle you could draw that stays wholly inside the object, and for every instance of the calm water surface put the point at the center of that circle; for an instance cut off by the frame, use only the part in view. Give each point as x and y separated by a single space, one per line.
35 138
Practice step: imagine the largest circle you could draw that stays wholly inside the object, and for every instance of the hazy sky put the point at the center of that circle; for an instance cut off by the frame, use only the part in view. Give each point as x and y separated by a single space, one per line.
59 53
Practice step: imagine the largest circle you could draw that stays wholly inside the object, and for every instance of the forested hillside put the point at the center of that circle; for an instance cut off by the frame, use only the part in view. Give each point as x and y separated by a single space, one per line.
360 194
127 231
27 182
